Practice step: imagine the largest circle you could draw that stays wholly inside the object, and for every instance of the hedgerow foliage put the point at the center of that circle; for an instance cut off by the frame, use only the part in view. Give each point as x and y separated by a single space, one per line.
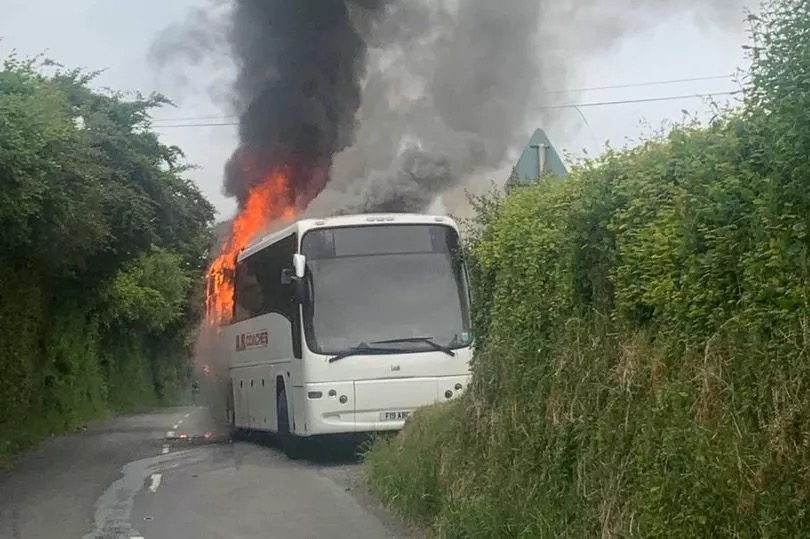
645 368
101 241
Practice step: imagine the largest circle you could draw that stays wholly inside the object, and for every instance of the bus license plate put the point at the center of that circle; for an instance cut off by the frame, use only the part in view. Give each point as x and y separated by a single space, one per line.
394 416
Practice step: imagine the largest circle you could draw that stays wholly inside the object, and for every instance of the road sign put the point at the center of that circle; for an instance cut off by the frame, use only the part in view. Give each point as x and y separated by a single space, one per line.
538 158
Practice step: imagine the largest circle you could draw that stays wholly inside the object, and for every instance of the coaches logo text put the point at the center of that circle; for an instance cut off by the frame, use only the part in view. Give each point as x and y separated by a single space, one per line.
246 341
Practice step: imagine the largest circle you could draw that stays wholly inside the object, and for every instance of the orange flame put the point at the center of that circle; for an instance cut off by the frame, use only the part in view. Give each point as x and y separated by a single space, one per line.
267 203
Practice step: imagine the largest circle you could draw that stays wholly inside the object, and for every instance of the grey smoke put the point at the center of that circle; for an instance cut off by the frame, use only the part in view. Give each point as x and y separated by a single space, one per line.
460 79
447 86
411 184
200 41
454 80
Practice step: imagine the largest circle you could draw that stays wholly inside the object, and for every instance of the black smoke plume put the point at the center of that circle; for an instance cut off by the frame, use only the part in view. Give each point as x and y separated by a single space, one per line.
299 67
300 64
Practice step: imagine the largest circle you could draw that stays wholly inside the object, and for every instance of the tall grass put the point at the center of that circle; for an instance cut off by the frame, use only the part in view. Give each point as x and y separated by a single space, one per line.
623 438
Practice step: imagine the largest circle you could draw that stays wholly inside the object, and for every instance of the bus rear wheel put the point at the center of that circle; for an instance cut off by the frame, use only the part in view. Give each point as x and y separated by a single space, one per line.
290 443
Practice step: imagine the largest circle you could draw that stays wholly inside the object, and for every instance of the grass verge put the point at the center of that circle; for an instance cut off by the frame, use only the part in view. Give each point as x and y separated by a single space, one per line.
627 436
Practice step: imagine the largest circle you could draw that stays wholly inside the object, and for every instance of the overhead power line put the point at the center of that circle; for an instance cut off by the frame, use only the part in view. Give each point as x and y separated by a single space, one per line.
545 107
550 92
642 100
639 84
194 118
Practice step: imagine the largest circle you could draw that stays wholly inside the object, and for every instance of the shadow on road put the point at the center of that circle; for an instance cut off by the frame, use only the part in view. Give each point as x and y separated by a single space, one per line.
323 451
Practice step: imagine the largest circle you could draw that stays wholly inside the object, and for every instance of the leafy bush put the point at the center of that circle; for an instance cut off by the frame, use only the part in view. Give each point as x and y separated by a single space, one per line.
101 240
647 334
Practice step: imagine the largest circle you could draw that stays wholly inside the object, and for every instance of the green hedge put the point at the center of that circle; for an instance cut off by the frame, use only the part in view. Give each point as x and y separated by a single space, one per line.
101 243
645 361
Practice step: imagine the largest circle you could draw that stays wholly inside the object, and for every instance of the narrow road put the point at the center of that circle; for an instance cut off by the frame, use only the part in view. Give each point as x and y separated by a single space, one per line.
170 475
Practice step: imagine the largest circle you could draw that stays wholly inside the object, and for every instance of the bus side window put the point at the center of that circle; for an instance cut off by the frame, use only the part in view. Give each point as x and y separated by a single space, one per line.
259 289
247 293
267 266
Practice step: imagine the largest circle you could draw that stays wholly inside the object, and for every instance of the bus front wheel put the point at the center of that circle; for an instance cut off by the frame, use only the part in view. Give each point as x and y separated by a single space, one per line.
290 443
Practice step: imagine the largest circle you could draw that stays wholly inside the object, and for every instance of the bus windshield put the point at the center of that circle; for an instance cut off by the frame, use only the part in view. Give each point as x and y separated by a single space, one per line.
380 283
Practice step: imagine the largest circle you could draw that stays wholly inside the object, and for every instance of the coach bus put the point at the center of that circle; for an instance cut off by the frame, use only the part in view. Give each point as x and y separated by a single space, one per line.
347 324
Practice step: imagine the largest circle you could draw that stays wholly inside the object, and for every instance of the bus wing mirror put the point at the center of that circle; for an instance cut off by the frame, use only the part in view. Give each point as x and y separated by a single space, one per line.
300 265
299 291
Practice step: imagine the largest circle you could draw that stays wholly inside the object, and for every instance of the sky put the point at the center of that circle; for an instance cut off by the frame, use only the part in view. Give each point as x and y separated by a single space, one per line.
116 37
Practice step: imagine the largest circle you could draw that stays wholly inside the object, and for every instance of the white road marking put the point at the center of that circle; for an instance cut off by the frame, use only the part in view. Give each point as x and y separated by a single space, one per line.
164 450
175 426
180 422
156 477
114 508
136 537
170 434
186 415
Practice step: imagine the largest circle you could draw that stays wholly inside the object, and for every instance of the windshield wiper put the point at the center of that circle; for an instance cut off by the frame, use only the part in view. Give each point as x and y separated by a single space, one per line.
426 340
364 348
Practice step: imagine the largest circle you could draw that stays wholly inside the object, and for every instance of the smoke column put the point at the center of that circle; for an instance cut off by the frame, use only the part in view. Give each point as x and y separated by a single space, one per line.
297 90
446 85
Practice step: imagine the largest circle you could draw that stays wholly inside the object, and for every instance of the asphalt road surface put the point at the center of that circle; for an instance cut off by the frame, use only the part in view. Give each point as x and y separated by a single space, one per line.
170 475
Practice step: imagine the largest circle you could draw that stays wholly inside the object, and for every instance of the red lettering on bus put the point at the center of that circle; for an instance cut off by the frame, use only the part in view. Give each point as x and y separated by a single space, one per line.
259 339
